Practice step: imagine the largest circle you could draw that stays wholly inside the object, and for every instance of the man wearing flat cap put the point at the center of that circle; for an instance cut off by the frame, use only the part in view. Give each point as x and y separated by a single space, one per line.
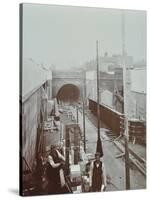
97 174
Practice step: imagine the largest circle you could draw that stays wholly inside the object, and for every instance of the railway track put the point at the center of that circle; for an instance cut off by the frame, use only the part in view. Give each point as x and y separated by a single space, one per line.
135 159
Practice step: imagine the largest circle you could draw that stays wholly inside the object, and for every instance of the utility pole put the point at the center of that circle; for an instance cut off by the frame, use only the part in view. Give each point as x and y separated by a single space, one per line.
99 144
77 114
83 106
126 133
67 148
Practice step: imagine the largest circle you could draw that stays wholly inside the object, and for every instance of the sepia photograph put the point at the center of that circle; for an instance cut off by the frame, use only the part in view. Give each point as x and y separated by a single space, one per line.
82 99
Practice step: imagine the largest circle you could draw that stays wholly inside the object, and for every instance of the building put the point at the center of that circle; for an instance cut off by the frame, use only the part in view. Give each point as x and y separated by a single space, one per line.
109 63
137 93
35 92
111 90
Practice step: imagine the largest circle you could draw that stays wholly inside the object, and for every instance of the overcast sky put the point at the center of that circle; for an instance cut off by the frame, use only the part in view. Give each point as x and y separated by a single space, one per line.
66 36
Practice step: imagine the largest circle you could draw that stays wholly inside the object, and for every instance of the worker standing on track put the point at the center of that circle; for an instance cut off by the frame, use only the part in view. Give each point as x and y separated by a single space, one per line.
97 174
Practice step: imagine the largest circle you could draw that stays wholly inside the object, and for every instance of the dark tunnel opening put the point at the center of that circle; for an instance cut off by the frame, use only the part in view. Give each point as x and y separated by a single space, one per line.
68 93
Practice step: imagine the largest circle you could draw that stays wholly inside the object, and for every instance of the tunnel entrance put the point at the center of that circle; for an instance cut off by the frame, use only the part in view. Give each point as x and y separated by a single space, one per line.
68 93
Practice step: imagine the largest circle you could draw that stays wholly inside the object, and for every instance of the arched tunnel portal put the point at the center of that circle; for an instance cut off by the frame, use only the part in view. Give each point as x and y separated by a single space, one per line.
68 93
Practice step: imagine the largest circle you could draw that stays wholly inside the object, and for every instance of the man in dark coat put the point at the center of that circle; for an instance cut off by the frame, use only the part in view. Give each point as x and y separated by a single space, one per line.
97 174
55 171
